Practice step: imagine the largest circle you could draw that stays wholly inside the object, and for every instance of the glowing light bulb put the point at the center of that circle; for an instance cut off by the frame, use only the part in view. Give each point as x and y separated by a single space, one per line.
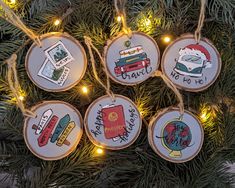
203 116
84 89
99 151
141 113
166 39
57 22
21 98
119 18
147 22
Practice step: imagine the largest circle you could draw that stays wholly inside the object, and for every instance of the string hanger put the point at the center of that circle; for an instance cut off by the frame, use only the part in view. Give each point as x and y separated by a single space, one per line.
11 17
106 86
68 11
121 11
174 89
15 86
201 19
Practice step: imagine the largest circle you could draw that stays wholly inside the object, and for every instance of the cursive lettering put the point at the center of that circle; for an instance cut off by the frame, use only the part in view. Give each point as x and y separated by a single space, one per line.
136 74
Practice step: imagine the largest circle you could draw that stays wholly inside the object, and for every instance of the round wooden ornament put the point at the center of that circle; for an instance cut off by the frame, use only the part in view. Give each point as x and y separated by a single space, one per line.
191 66
130 61
175 139
112 124
55 132
58 65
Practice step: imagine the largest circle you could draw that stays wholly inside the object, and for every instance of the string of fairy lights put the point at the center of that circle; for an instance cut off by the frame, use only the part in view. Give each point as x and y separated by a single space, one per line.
206 111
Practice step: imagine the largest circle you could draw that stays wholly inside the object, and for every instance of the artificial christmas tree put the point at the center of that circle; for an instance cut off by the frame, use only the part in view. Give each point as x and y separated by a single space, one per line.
101 20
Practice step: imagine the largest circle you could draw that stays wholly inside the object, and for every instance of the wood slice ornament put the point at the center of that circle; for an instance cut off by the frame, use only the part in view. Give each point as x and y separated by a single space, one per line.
175 139
58 65
112 124
191 66
55 132
130 61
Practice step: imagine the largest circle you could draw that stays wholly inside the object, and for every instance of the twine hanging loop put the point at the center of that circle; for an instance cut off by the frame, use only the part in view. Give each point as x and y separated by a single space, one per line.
174 89
90 46
197 33
11 17
15 86
121 11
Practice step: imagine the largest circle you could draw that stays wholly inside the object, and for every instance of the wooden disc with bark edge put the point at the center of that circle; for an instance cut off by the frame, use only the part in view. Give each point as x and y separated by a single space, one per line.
76 136
99 144
171 63
155 60
151 133
75 66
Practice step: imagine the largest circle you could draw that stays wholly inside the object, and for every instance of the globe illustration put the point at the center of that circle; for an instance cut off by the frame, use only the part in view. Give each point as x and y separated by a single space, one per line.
176 135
